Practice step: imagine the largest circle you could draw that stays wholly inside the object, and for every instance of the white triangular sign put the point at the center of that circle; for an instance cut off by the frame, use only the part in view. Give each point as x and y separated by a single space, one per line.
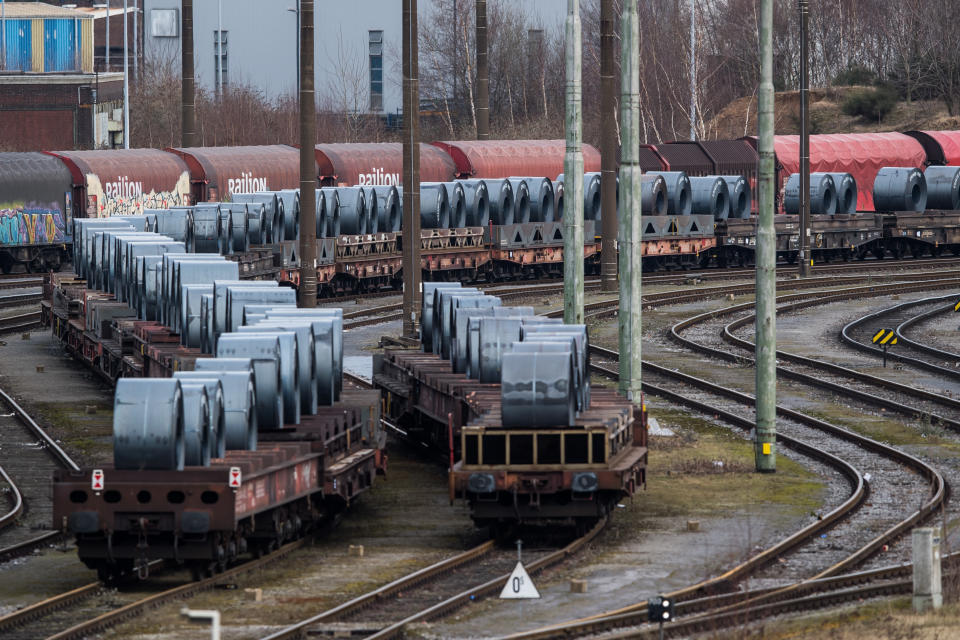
519 585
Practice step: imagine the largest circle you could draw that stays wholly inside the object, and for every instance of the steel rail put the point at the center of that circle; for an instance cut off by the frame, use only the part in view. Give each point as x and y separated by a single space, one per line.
372 597
55 450
16 508
138 607
730 337
12 324
615 619
916 362
919 346
20 300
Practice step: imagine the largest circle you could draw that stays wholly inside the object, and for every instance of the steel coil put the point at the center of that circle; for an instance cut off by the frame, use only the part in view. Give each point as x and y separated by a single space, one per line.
449 306
206 323
322 223
679 197
500 193
331 202
390 207
943 187
496 335
428 303
434 206
521 200
220 306
289 367
540 191
899 189
190 319
846 189
579 347
306 356
653 195
591 196
457 202
271 211
710 196
353 210
473 334
205 237
180 272
238 419
333 315
291 214
443 315
262 357
372 202
256 223
240 295
537 390
458 335
739 197
239 235
477 199
148 424
176 223
197 429
823 194
558 197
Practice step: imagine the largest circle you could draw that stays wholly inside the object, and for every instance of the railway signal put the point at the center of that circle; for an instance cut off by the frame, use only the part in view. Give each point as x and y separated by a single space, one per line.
660 610
886 338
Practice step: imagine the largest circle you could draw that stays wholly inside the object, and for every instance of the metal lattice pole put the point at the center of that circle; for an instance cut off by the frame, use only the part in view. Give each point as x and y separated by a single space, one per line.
766 328
608 150
806 256
483 73
188 116
629 233
411 171
308 167
573 174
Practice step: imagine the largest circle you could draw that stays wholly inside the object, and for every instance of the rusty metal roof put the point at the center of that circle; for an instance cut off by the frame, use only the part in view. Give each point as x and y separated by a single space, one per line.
227 170
505 158
377 163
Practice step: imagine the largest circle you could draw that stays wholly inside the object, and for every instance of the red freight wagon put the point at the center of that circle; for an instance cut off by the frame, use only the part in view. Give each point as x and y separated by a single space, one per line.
505 158
377 163
116 182
216 173
941 147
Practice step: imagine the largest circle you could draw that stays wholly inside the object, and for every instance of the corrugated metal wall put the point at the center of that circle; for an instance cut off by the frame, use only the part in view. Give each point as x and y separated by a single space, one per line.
18 45
60 44
36 28
86 45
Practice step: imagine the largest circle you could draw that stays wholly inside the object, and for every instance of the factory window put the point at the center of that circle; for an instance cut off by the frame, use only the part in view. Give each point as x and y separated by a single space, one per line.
220 61
376 70
164 23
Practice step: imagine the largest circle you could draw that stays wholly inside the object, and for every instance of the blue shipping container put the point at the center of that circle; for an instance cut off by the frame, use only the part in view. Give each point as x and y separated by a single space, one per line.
60 51
19 43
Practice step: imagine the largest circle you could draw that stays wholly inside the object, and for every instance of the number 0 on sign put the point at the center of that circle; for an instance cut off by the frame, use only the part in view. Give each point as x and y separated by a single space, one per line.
519 585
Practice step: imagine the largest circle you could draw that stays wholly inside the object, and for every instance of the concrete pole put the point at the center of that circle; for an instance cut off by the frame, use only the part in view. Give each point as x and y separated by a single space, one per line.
188 116
126 82
106 51
411 171
927 581
608 150
693 70
630 225
136 38
573 174
308 167
805 257
483 73
766 327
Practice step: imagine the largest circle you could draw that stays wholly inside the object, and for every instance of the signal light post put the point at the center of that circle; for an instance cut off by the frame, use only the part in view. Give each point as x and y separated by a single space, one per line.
660 610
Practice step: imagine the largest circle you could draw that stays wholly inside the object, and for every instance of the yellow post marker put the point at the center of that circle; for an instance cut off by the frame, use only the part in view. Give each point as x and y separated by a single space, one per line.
886 338
956 307
766 448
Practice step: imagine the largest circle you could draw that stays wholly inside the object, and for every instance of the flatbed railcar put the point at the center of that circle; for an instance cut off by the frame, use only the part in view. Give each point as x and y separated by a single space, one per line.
565 476
201 517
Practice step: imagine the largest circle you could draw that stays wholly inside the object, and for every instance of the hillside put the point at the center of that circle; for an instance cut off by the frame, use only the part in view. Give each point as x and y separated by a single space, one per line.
739 118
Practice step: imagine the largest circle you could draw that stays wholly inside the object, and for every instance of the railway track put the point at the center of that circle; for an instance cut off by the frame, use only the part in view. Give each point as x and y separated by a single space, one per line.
430 593
20 300
99 608
799 560
901 317
22 322
28 456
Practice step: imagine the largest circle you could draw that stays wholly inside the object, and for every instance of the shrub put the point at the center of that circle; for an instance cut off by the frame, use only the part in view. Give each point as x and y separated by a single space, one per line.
855 74
871 104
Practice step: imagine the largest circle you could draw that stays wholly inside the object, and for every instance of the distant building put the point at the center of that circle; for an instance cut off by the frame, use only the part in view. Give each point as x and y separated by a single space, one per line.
357 45
50 96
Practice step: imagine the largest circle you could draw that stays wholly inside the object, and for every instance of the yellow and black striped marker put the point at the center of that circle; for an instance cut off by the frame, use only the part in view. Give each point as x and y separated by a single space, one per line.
885 337
956 307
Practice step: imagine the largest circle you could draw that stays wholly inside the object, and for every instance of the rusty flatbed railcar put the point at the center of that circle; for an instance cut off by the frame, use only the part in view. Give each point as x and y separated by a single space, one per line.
564 475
